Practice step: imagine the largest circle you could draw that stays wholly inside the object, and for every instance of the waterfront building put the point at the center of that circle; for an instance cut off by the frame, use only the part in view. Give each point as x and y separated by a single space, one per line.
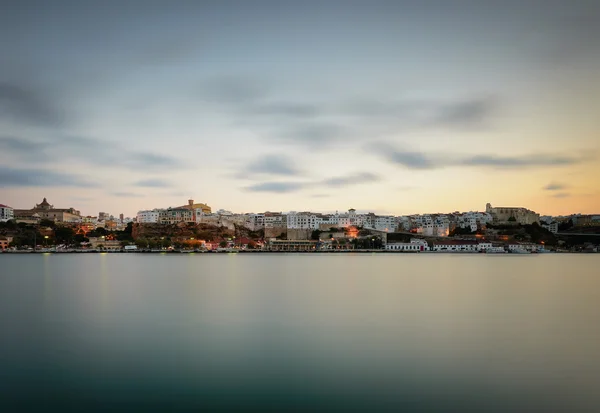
5 242
44 210
456 246
508 215
6 213
415 245
175 215
522 246
148 216
291 245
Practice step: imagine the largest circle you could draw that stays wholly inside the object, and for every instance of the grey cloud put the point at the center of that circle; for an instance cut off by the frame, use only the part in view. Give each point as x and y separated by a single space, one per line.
313 133
276 187
411 160
554 187
285 187
127 195
22 105
233 90
72 148
356 179
16 145
290 109
15 177
468 113
146 159
254 104
422 160
561 195
270 165
519 161
152 183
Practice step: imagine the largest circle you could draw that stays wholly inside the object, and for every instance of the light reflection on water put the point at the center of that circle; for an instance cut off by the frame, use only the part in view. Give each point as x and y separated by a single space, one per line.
318 332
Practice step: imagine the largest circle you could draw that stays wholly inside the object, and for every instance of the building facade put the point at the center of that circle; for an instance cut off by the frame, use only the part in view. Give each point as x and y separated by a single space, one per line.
148 216
175 215
6 213
44 210
507 215
415 245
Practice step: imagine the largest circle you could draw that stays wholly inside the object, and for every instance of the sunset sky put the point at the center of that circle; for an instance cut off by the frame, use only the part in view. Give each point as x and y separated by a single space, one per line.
395 107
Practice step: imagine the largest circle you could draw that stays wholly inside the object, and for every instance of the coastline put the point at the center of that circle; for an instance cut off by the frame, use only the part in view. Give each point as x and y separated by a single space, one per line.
197 252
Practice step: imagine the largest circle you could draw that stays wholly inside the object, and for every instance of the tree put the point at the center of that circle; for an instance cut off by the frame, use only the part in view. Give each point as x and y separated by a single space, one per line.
64 235
47 223
223 244
141 242
315 235
78 239
512 219
461 231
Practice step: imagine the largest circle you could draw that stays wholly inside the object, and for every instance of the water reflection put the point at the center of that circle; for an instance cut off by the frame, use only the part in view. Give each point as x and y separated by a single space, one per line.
319 332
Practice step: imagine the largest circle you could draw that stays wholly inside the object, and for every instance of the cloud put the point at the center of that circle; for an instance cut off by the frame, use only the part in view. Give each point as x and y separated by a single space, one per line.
286 187
276 187
356 179
411 160
555 187
24 106
270 165
425 161
468 113
61 148
235 91
255 104
561 195
14 177
126 195
152 183
525 161
150 160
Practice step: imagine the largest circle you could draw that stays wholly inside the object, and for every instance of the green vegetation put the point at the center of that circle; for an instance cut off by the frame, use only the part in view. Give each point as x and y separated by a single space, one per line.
367 243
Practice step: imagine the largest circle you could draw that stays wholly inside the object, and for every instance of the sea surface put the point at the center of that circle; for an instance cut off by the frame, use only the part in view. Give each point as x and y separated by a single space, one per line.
299 332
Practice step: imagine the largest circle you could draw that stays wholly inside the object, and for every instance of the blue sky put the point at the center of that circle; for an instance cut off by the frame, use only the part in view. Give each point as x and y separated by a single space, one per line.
390 106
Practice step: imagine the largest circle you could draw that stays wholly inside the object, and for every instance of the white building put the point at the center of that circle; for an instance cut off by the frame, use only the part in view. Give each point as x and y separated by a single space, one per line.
303 220
385 223
414 245
274 220
254 222
523 247
6 213
552 227
456 246
148 216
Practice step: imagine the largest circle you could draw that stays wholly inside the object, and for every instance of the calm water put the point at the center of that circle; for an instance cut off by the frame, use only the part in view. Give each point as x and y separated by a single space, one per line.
300 332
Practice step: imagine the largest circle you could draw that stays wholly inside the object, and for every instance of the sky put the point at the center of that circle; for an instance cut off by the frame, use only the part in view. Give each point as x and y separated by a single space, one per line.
395 107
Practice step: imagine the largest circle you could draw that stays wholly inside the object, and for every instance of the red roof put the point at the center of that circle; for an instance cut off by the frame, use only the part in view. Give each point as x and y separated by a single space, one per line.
4 206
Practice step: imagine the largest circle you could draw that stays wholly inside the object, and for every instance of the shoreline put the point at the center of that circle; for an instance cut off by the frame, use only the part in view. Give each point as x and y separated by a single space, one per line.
283 252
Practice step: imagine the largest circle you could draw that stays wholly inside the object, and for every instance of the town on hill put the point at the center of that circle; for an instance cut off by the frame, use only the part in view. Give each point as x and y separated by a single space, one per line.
195 227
